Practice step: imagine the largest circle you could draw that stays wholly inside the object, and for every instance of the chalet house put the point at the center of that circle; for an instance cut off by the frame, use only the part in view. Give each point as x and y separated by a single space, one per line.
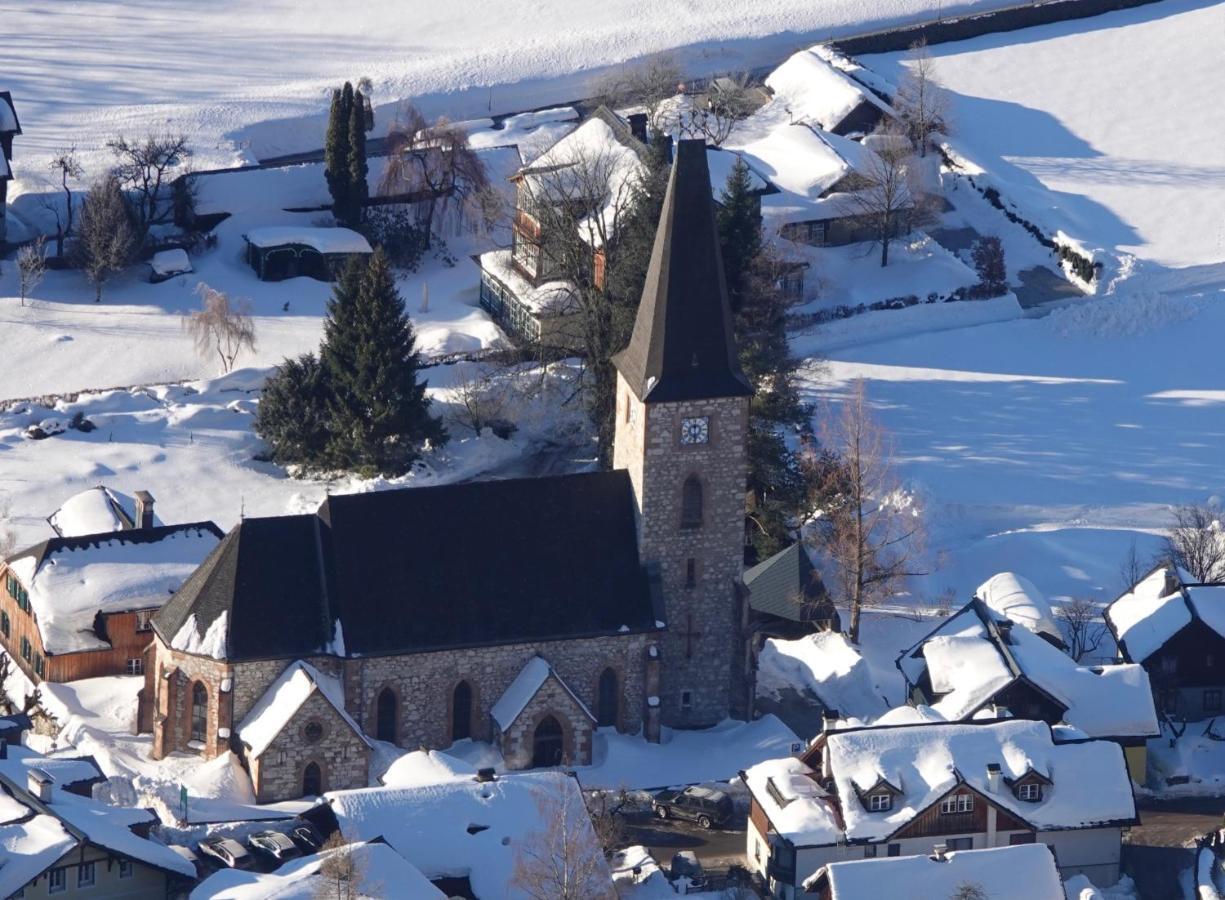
867 793
9 128
57 841
1021 872
79 605
1175 629
979 664
608 600
788 597
277 252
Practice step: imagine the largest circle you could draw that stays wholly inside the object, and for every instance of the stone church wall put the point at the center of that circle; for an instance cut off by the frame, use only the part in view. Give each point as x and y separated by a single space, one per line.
517 743
172 709
343 757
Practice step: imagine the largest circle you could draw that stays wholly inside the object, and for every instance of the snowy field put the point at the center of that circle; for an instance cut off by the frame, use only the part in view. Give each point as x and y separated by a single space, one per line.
1108 129
244 80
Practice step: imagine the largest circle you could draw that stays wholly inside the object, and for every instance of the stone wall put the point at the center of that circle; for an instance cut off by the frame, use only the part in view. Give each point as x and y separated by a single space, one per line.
342 756
517 743
424 683
173 679
703 651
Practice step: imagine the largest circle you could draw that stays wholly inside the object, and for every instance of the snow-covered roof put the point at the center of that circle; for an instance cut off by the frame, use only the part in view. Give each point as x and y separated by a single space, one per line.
284 697
721 162
1016 597
1090 785
828 665
170 262
551 298
29 848
71 580
1159 606
518 694
797 160
798 808
973 655
462 827
8 115
1023 872
815 92
323 240
95 510
382 871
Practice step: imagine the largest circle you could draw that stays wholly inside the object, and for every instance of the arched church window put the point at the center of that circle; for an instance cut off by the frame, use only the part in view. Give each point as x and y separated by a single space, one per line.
312 780
385 715
199 711
606 706
461 712
691 503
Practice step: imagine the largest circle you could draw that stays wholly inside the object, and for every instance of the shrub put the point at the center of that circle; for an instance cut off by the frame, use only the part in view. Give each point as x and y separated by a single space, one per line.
988 255
395 229
291 416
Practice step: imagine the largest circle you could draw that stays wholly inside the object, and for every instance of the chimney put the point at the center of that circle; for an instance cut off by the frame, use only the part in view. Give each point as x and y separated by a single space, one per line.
39 784
638 126
829 718
144 510
940 852
485 775
993 777
1005 629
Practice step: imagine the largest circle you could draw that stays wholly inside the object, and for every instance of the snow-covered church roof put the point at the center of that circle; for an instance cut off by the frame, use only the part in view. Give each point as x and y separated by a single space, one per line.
527 684
282 700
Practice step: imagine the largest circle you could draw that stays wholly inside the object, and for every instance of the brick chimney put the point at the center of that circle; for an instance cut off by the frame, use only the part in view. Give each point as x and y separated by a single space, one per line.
144 510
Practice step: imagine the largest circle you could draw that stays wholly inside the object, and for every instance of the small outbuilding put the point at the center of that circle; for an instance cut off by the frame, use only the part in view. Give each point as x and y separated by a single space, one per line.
166 264
279 252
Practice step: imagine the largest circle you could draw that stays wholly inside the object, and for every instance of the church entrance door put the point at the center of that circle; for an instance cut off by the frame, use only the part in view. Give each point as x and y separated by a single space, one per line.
547 743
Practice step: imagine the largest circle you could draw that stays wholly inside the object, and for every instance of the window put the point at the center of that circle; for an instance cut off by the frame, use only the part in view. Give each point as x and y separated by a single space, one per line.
313 732
1169 665
57 880
1015 840
757 850
17 592
461 712
869 852
606 706
85 875
963 843
691 503
1032 792
4 623
144 620
961 803
39 669
385 715
125 868
695 430
895 850
880 802
691 572
135 666
686 699
25 649
1212 701
199 712
1209 660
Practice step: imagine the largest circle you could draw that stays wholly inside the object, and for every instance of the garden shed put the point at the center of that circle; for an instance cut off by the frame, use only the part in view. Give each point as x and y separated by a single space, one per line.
280 252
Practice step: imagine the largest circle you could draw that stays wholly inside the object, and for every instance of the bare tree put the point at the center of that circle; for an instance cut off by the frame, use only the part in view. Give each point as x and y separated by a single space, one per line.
1196 542
921 101
713 116
481 397
106 241
69 170
969 890
648 83
435 163
1132 568
31 265
143 167
221 327
872 538
881 193
1080 619
342 872
562 860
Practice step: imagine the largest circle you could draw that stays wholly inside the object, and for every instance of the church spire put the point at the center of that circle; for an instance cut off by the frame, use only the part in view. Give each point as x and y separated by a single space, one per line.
682 347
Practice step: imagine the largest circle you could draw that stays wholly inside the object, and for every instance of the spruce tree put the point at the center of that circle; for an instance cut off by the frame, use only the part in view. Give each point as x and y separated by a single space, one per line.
336 149
292 413
359 189
378 412
739 231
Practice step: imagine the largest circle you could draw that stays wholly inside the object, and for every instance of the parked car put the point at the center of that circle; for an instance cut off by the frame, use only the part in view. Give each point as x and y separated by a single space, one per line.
706 806
274 846
307 837
226 851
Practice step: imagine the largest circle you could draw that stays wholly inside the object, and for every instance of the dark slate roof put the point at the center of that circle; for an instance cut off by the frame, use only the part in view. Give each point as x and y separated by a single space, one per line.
428 568
682 347
775 583
268 575
40 551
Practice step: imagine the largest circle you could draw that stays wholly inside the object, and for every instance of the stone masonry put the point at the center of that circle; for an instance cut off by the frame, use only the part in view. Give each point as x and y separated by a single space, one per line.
703 650
517 742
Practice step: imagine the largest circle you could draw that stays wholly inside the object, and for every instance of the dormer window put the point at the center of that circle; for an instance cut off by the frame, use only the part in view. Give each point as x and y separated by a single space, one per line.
1030 792
961 803
880 802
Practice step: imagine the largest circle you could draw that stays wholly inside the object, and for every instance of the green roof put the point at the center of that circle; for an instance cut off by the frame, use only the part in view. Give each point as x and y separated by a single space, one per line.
777 585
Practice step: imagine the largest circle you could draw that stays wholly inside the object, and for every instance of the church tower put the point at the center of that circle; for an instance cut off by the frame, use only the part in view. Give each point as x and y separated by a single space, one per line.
681 431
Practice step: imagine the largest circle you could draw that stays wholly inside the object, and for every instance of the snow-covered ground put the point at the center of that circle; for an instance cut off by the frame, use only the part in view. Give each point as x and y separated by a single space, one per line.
1106 128
245 80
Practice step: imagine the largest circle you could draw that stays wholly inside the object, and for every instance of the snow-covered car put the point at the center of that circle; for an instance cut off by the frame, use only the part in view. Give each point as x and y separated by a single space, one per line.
273 845
226 851
307 837
706 806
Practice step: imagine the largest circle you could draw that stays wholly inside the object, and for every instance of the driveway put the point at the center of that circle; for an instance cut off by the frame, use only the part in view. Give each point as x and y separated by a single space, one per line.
1156 852
716 849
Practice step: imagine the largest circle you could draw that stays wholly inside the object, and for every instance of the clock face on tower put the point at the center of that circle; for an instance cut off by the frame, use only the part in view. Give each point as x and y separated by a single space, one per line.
696 430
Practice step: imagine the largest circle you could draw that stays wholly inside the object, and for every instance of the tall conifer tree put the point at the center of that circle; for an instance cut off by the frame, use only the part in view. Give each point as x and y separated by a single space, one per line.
359 188
739 232
378 412
336 153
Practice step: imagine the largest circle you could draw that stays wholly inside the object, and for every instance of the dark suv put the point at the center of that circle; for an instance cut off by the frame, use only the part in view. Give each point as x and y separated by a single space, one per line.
706 806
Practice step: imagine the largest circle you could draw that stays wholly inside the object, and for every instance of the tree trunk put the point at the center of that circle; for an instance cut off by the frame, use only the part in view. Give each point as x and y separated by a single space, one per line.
884 248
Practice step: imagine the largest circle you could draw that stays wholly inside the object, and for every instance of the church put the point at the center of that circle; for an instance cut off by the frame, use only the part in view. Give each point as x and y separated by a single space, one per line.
526 612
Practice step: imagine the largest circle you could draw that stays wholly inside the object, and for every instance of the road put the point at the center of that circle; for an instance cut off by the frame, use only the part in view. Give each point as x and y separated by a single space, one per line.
716 849
1156 852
